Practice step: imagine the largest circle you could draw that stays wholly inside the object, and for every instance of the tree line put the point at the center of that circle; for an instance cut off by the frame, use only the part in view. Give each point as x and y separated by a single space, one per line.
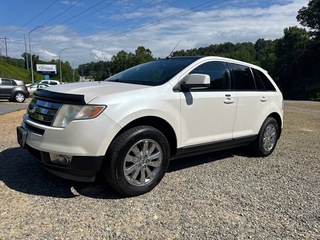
292 60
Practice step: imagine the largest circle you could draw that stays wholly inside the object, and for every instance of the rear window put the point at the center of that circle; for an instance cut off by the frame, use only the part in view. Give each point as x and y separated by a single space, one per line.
8 82
243 78
266 82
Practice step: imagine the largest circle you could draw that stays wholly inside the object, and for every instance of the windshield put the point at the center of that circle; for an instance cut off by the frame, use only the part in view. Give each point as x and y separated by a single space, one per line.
153 73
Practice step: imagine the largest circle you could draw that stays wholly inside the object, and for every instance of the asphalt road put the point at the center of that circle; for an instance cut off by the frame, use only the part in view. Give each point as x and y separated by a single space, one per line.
6 106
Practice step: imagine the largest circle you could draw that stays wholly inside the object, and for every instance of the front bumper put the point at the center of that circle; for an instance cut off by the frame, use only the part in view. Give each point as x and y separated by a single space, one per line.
81 168
85 142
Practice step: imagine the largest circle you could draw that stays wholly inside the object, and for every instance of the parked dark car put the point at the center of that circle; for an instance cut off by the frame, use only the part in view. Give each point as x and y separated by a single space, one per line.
14 90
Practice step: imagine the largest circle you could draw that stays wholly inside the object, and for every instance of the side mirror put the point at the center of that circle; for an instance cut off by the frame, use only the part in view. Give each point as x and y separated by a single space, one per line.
195 80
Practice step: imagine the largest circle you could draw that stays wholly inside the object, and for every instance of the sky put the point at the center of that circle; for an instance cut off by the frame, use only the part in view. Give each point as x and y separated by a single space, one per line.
82 31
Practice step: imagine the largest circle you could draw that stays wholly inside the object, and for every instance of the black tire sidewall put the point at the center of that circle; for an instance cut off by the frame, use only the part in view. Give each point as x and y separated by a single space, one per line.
117 154
15 97
261 151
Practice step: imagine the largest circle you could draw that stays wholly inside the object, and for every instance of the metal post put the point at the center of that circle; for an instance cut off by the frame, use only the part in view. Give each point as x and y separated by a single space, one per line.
60 64
25 46
31 62
73 68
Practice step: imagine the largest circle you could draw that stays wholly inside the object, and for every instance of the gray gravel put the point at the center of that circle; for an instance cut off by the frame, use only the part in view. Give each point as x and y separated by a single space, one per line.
224 195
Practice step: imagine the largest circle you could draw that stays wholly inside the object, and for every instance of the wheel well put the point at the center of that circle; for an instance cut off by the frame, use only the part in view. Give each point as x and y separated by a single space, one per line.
14 94
278 119
158 123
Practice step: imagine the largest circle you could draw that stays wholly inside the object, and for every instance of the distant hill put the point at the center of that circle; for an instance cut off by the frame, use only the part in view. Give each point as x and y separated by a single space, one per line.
9 71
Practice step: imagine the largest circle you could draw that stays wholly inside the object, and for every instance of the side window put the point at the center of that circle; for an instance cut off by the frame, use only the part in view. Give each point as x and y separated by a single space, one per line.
7 82
219 75
258 80
53 83
243 78
266 82
44 82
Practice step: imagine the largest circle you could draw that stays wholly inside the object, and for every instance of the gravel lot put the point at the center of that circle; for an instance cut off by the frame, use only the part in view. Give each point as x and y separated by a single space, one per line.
224 195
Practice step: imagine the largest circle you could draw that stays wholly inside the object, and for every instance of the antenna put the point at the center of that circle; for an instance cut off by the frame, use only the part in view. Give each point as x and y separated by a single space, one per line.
171 54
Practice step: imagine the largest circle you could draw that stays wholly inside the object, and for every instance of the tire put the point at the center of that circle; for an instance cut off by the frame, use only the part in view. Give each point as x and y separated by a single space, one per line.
19 97
267 138
136 161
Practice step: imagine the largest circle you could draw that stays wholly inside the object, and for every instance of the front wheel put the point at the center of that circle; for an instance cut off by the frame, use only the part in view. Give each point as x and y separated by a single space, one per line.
137 160
268 137
19 97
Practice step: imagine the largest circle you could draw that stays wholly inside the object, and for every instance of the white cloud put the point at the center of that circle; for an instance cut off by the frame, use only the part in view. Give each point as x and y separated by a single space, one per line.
161 33
100 55
47 56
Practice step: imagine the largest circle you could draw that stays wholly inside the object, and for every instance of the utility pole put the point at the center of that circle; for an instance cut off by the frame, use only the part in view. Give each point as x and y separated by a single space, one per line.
26 52
60 64
32 77
5 46
5 41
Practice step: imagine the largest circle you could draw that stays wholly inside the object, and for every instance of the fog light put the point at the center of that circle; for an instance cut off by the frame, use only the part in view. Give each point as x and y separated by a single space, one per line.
60 159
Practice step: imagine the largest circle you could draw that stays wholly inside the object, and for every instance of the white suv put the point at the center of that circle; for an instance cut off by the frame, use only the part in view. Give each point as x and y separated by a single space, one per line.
131 125
49 82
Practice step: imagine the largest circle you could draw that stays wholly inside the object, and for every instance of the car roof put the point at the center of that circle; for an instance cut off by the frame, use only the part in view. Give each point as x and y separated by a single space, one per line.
18 82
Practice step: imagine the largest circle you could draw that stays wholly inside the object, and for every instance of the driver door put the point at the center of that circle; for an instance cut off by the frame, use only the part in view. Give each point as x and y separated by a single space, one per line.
207 115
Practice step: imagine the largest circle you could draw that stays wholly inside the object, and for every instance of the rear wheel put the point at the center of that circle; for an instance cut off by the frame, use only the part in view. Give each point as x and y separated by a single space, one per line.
268 137
19 97
137 160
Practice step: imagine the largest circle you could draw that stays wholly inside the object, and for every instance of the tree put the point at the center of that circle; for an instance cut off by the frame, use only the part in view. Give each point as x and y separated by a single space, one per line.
142 55
119 62
310 17
266 56
291 64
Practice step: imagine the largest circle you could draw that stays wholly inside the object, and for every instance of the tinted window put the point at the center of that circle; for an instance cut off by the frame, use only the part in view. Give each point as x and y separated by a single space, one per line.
258 80
8 82
218 72
243 78
266 82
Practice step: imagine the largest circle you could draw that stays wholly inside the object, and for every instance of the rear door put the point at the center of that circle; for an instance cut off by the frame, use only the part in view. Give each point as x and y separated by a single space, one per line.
207 115
7 86
253 102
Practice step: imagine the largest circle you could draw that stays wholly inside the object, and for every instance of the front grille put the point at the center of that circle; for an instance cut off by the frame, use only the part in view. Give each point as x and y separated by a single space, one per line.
43 111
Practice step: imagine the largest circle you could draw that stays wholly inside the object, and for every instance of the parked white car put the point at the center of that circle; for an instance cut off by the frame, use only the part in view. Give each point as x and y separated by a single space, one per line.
49 82
132 124
36 86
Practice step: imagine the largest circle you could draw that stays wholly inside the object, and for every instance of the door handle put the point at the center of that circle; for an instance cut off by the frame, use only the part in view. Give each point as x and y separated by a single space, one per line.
263 99
228 99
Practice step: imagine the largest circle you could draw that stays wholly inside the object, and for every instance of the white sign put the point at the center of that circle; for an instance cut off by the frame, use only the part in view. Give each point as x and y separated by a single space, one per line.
47 68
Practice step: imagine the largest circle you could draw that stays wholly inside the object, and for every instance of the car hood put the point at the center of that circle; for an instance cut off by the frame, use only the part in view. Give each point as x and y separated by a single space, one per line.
93 90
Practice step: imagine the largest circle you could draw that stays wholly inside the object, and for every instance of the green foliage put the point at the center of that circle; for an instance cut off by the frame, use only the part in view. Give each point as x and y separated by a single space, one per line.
293 60
67 71
119 62
10 70
310 17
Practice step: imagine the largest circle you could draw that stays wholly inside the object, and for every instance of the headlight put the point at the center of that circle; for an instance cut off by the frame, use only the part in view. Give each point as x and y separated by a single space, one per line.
68 113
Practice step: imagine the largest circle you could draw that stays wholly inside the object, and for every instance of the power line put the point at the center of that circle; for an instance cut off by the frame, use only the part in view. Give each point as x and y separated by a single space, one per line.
61 13
77 15
164 19
33 18
154 23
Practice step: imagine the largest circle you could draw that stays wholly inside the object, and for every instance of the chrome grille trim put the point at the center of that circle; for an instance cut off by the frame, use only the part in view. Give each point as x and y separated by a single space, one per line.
42 111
